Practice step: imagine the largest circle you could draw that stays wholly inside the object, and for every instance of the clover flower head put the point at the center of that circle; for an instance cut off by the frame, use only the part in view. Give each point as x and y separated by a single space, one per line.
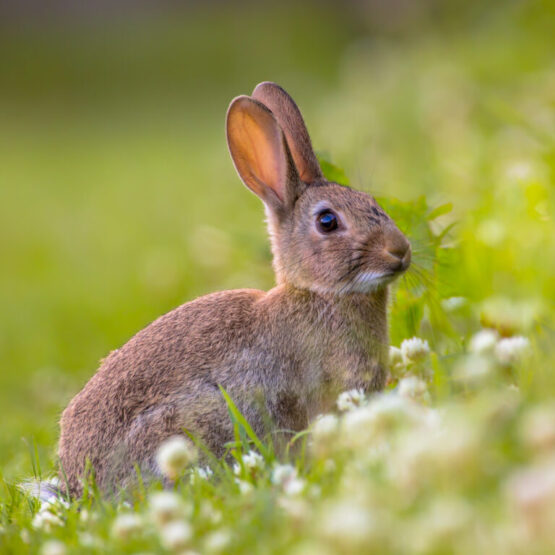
176 535
174 455
483 341
325 427
217 541
281 473
244 487
413 387
532 492
165 506
537 427
414 349
46 520
127 525
349 400
252 459
201 473
512 349
453 303
53 547
347 524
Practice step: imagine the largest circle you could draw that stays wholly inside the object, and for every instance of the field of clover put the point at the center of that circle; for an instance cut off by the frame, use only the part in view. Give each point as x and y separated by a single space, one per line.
456 455
455 135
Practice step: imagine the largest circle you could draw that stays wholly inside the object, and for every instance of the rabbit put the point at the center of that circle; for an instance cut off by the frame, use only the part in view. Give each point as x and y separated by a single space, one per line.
282 355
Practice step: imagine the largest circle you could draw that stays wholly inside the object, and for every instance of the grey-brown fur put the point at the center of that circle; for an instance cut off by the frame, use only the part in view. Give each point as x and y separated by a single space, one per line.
282 355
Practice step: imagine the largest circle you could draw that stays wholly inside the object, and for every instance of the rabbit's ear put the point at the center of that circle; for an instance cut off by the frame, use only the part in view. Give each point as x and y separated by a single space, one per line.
291 121
260 153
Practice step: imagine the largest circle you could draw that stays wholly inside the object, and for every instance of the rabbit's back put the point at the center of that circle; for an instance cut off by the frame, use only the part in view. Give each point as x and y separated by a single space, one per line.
164 378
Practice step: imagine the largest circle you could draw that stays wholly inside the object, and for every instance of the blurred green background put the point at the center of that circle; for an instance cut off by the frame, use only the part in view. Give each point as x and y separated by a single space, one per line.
118 200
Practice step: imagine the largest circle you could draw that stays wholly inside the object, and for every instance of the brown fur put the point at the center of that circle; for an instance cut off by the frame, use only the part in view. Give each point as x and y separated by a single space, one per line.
284 354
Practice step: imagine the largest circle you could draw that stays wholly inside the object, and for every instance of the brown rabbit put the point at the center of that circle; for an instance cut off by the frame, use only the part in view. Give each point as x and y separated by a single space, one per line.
282 355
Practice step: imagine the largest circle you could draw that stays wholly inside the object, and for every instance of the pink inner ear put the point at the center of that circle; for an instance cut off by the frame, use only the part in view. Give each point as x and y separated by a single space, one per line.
257 147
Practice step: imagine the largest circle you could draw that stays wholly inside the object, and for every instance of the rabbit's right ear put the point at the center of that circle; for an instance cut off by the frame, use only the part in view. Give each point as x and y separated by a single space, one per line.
261 155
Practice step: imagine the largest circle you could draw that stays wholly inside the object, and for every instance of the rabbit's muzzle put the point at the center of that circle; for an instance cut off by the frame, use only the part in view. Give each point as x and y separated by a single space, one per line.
397 251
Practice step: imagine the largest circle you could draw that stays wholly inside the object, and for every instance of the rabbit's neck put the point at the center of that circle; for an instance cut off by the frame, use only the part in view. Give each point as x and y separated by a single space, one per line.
350 323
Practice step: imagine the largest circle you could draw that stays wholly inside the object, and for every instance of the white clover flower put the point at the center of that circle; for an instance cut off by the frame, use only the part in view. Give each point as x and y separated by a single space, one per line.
483 341
347 523
285 476
383 413
127 525
25 536
474 368
176 535
244 487
294 506
349 400
423 450
412 387
442 523
325 427
396 363
252 459
414 349
209 512
453 303
217 541
53 547
532 491
46 520
281 473
87 540
200 473
165 506
294 487
537 427
512 349
174 455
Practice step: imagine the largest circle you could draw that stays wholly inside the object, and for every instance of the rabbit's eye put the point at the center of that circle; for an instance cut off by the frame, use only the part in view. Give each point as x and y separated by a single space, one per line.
326 221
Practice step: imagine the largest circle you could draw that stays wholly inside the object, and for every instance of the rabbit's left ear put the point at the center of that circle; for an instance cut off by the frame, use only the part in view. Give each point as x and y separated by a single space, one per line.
261 155
291 121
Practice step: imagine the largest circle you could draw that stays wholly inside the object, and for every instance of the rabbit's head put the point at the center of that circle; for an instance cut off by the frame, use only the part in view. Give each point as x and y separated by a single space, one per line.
325 237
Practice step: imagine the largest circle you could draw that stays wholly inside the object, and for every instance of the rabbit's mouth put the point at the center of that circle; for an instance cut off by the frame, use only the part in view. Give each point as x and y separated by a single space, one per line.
368 281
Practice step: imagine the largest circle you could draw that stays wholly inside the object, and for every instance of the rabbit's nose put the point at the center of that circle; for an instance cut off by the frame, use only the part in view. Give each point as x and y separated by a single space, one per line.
397 251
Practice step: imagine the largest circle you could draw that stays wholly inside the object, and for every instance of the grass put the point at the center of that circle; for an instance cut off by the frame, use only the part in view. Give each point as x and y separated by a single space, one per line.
120 202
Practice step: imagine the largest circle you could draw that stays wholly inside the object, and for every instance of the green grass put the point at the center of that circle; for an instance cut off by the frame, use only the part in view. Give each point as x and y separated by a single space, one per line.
119 202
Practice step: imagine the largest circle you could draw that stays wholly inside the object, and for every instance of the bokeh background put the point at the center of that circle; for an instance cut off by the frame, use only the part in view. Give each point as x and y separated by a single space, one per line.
118 200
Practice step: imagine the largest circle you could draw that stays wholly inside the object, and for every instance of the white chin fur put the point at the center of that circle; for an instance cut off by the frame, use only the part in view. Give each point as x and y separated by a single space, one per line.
366 282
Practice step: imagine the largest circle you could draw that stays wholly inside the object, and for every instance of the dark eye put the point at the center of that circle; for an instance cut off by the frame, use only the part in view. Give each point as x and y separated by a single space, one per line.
326 221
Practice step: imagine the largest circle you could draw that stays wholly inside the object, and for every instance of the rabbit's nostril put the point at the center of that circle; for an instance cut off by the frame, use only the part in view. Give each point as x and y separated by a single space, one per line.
398 251
399 255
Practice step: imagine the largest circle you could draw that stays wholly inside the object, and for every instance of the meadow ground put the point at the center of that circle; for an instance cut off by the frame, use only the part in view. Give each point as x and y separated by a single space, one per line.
119 202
